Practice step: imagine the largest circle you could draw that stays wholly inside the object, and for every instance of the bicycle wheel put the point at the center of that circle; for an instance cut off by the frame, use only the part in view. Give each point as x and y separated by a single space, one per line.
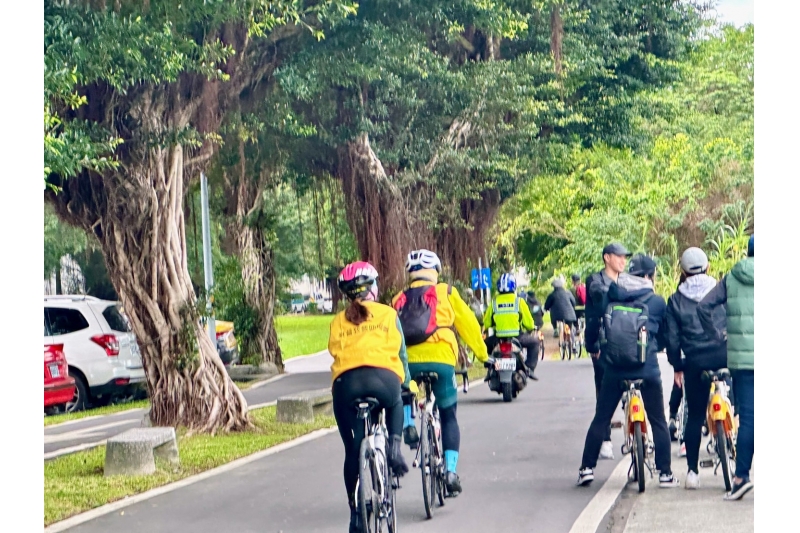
365 487
392 519
433 479
424 466
541 348
722 452
638 449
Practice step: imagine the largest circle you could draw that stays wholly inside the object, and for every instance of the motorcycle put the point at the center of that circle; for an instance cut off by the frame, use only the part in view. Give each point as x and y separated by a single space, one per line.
507 374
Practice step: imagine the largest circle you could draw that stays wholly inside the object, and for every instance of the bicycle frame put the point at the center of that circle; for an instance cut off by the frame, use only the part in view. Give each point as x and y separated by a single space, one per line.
426 407
371 431
720 408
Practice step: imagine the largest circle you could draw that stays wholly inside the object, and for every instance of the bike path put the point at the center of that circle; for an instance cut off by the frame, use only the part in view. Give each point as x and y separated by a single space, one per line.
518 466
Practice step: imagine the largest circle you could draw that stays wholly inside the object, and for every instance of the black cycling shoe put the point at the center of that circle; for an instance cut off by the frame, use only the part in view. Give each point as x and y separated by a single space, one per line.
396 461
411 437
355 519
452 483
530 374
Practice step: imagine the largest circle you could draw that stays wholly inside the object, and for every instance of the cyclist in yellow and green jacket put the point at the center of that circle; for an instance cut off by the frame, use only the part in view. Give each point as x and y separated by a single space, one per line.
429 312
509 315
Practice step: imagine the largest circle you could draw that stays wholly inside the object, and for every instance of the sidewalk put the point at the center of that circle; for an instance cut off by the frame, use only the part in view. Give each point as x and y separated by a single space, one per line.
685 511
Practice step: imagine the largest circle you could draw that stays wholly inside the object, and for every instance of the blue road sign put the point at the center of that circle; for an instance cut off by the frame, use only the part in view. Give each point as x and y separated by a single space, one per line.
481 279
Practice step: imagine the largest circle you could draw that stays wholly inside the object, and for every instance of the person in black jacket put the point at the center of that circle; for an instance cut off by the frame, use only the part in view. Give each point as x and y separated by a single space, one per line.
536 309
615 256
561 304
683 332
638 287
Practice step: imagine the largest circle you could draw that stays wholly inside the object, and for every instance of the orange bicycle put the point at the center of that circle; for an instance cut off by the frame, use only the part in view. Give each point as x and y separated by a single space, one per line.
721 426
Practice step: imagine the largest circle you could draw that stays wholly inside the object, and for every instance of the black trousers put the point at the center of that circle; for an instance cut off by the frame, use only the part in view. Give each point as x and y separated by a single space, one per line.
599 372
379 383
610 395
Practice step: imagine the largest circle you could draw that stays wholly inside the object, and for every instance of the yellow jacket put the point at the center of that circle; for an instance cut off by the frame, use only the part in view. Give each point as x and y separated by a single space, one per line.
377 342
509 324
442 346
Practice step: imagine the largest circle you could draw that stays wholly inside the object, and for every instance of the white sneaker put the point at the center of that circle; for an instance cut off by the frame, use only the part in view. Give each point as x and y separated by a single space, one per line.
692 481
682 451
607 450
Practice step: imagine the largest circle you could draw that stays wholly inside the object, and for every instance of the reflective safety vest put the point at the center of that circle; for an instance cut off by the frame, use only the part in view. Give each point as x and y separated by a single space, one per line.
505 315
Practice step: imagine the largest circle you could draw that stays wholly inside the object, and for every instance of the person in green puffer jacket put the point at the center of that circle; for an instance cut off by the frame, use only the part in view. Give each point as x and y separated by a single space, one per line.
736 293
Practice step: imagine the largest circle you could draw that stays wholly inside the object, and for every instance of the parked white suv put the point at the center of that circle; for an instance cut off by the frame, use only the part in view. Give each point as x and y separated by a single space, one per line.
101 350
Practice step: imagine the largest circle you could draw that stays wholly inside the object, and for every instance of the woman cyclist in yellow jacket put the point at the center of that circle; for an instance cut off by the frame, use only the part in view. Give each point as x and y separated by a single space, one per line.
430 310
369 359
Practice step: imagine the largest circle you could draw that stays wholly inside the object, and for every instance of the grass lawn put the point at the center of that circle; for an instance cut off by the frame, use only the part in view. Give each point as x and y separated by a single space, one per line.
303 334
75 483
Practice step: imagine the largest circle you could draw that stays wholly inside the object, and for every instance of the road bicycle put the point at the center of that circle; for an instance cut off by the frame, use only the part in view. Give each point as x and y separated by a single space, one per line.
540 334
638 441
430 453
579 341
722 426
376 485
565 340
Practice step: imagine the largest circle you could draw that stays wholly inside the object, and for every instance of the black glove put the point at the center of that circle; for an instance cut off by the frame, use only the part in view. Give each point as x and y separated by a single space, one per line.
489 363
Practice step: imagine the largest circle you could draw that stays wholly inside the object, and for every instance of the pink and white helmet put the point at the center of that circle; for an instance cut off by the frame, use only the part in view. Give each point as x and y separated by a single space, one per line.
356 279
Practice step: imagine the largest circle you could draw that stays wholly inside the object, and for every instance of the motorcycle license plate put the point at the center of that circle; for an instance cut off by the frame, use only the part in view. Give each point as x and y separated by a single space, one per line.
505 364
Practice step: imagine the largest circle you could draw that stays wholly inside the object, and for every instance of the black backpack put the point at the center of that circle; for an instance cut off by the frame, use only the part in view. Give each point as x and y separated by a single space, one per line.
416 309
623 337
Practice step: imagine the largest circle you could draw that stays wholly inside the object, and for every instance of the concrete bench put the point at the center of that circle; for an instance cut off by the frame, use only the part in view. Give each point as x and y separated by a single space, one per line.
133 452
301 408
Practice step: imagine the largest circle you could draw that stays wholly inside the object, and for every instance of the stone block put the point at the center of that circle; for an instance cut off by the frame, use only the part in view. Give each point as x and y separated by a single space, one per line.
301 408
133 452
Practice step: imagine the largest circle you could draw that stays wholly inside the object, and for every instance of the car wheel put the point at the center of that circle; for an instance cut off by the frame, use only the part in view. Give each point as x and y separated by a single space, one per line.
80 399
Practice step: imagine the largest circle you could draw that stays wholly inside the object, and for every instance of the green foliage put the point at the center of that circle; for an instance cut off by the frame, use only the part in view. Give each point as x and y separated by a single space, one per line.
60 240
694 166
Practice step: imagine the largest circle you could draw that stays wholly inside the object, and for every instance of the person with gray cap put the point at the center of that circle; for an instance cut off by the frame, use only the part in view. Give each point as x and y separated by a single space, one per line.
615 256
630 291
683 332
736 294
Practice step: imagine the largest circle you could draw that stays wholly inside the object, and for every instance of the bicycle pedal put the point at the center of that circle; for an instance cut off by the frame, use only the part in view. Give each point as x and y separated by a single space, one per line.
616 424
706 463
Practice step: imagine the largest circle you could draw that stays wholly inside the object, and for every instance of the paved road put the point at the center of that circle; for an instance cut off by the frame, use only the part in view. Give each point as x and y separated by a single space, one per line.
310 375
518 467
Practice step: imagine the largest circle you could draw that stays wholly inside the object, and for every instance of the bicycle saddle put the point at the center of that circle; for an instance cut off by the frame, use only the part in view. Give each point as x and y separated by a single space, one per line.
426 376
366 403
722 374
637 383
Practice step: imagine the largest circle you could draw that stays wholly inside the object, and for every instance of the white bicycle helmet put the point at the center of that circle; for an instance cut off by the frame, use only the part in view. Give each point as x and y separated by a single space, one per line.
423 259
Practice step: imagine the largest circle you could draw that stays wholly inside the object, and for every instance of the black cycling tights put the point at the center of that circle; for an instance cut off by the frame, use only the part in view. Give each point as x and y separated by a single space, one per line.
379 383
451 434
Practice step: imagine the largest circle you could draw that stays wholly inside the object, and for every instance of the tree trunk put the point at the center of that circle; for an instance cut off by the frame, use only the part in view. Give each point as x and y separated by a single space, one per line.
59 285
139 223
258 275
377 213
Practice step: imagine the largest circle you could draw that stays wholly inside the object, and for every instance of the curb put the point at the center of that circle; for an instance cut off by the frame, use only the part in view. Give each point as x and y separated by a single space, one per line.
125 502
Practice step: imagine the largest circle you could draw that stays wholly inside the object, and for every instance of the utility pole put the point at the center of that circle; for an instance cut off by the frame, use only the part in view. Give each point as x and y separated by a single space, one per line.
209 273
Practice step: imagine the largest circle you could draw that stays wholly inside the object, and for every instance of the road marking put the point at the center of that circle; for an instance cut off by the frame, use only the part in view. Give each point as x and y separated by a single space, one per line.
92 431
267 381
111 507
589 520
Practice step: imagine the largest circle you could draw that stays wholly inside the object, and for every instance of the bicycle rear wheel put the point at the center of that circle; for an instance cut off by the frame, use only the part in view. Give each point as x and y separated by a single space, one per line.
638 449
722 452
366 500
433 468
424 467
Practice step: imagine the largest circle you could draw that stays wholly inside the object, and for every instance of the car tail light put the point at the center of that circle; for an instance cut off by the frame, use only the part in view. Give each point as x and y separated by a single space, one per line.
505 348
54 354
122 381
109 343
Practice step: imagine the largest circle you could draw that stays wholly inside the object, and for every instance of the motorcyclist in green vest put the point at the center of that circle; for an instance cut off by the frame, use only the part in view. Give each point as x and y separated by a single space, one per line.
510 317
